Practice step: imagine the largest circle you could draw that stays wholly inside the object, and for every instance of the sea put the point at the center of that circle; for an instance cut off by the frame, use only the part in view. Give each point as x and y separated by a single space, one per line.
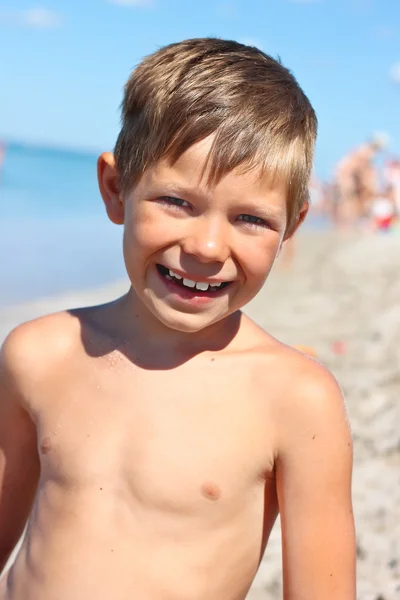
54 233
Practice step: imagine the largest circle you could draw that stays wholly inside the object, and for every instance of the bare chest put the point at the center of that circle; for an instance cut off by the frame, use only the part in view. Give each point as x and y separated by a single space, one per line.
166 439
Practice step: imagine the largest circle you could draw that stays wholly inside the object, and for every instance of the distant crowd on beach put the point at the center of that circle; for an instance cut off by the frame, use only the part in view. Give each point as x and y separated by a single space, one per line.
361 195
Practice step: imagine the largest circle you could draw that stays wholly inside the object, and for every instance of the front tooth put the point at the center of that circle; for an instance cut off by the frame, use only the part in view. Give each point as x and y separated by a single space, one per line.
216 285
174 275
203 287
189 283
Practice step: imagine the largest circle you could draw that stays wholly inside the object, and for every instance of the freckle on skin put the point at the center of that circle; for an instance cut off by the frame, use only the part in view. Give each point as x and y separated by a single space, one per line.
313 437
212 360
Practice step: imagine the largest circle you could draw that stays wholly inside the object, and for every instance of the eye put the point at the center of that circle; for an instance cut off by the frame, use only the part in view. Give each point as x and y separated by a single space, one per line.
173 201
252 220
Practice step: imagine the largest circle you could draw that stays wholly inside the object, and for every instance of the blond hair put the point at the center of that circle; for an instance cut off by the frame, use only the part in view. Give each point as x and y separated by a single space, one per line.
187 91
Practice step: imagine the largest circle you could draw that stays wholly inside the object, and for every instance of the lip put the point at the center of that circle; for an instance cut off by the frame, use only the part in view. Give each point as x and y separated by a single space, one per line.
192 295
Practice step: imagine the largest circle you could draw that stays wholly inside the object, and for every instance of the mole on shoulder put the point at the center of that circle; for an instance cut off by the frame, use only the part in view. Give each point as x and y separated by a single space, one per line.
45 445
211 491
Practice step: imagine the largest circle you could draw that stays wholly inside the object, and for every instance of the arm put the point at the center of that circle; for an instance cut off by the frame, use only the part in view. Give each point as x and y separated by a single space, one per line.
19 463
314 469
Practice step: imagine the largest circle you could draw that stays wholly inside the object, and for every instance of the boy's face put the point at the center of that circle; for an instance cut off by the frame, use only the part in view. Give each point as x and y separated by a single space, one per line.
194 253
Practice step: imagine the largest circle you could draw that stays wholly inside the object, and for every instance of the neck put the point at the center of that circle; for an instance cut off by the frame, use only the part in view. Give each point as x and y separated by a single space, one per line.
153 342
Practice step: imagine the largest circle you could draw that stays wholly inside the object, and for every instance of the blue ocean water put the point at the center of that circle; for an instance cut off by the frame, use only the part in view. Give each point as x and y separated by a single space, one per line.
54 232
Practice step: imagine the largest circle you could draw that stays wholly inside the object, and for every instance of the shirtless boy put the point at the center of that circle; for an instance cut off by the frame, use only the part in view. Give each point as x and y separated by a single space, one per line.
152 441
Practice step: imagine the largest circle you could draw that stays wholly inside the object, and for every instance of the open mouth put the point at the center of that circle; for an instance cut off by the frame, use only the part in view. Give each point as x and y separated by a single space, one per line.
197 287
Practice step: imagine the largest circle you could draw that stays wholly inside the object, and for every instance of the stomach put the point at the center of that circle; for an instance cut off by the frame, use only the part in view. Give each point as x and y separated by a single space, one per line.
82 549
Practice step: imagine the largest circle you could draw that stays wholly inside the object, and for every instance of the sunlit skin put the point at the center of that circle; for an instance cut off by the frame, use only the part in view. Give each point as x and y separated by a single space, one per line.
229 232
155 438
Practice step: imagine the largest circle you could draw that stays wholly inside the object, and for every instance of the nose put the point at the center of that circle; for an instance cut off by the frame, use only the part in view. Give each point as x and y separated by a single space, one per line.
207 240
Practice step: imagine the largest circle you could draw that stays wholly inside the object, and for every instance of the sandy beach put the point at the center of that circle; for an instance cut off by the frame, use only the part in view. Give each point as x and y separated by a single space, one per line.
341 296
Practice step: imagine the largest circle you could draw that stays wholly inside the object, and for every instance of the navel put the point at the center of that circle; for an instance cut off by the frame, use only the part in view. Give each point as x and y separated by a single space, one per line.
211 491
45 445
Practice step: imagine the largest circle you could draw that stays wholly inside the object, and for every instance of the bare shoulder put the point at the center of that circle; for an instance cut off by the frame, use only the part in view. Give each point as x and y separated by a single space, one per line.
310 410
312 391
36 348
43 338
302 393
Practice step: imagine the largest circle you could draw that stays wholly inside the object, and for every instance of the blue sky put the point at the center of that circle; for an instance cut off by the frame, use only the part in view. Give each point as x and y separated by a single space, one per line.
63 63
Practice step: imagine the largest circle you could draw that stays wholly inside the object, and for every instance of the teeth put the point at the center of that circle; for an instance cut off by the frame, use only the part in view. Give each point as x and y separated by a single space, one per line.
189 283
200 285
174 275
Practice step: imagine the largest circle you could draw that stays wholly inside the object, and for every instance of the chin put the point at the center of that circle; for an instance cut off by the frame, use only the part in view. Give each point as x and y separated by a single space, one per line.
186 323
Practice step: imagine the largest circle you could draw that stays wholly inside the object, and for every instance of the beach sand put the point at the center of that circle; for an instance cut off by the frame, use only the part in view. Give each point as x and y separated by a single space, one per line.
341 297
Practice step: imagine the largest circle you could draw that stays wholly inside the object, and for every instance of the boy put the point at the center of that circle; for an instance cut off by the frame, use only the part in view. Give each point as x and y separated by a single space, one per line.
154 439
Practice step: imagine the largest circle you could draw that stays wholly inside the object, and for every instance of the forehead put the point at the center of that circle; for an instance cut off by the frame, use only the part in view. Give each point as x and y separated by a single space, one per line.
190 173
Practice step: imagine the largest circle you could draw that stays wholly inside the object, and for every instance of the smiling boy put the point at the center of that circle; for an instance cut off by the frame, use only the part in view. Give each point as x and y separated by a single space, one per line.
152 441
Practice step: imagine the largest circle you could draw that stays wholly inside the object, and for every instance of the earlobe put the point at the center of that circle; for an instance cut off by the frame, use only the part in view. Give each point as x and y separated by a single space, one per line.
107 176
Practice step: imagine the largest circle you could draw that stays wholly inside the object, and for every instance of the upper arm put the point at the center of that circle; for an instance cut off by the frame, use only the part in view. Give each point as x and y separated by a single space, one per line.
19 463
314 470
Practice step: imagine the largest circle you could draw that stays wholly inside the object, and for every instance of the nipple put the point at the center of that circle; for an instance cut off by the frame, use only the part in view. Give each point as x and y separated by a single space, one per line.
211 491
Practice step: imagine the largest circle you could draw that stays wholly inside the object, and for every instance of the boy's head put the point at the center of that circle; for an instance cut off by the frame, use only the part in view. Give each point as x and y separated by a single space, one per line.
210 173
254 107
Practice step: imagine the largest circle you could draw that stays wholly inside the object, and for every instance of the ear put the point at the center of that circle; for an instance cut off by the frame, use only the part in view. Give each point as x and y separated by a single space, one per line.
300 218
107 176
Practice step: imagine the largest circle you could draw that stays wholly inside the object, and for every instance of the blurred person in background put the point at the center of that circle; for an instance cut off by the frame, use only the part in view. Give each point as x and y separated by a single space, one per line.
392 179
383 211
356 182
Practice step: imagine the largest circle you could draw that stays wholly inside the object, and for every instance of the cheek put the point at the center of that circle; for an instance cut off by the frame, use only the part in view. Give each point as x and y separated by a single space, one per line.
143 231
257 258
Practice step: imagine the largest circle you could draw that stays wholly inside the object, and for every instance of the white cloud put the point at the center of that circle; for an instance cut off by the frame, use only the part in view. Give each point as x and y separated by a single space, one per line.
395 73
36 18
131 3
